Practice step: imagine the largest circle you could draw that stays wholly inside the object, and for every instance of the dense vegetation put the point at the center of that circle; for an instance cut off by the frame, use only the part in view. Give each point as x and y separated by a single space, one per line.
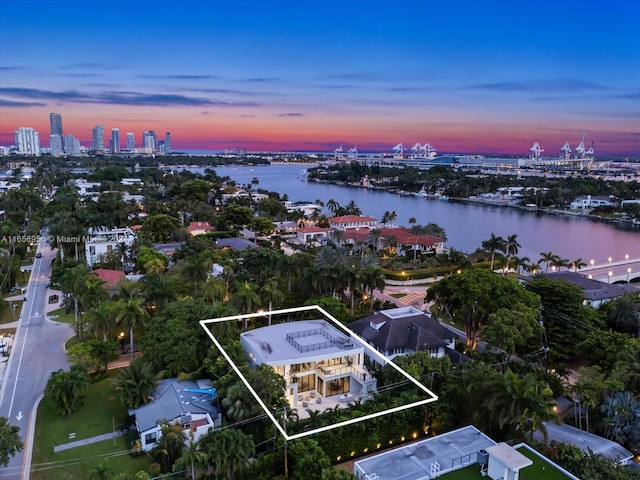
530 334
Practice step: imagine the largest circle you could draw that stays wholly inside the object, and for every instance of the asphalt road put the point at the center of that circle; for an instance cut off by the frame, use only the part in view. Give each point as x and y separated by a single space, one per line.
35 355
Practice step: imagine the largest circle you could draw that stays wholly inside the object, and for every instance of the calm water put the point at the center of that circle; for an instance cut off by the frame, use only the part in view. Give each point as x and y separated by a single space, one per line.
467 225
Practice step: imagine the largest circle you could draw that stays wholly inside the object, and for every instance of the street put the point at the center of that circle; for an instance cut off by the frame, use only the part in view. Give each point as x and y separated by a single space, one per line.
36 353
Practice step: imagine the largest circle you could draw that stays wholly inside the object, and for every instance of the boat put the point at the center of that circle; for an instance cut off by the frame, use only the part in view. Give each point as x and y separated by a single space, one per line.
422 193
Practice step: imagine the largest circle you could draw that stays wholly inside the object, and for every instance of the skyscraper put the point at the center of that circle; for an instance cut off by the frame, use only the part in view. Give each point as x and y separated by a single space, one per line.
150 140
131 141
71 146
27 141
55 142
98 138
115 140
55 119
167 143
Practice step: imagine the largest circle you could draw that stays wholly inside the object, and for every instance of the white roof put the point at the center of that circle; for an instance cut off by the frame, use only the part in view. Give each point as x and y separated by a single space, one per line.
509 457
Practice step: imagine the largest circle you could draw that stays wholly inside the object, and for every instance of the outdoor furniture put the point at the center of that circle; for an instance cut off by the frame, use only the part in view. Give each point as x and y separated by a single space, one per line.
300 397
319 400
305 404
312 394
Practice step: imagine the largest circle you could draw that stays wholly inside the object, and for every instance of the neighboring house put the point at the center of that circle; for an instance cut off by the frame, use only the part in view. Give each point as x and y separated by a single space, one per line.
110 277
404 330
312 234
199 228
131 181
410 244
306 208
588 202
86 188
595 292
102 240
184 402
585 441
237 244
352 221
167 249
315 359
466 448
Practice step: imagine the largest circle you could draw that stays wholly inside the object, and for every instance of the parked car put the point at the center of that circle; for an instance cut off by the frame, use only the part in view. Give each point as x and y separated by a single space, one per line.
38 255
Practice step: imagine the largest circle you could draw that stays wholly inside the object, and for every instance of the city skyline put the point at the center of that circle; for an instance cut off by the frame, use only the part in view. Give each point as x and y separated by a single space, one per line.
492 76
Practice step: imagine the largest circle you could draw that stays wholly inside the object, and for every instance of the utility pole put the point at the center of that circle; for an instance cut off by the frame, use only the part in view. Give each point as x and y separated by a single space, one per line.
284 425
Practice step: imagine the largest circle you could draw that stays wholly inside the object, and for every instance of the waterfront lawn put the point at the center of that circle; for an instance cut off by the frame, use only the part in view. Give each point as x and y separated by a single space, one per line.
96 416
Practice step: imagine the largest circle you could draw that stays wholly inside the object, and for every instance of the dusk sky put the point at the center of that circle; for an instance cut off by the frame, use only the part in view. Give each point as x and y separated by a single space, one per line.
464 76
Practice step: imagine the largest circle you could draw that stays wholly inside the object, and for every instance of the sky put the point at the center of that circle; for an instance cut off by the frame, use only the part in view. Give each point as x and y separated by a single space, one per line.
472 76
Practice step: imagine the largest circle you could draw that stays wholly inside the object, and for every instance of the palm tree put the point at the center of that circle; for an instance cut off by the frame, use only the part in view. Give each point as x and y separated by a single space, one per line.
333 206
577 264
134 384
373 278
548 258
623 314
155 266
239 403
271 294
158 291
194 459
412 221
94 293
196 269
101 472
73 283
214 289
375 234
67 388
101 320
245 299
511 245
493 244
393 216
287 265
132 314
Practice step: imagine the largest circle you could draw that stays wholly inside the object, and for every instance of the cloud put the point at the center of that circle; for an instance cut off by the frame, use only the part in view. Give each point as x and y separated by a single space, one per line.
89 65
260 80
544 85
628 96
9 68
13 103
292 114
359 77
77 75
177 77
119 98
343 86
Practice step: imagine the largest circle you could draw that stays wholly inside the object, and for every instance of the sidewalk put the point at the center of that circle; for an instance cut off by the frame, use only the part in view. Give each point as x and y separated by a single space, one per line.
86 441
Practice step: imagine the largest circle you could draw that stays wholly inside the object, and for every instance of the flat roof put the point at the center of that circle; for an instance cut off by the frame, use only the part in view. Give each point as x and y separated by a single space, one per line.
307 338
413 461
509 456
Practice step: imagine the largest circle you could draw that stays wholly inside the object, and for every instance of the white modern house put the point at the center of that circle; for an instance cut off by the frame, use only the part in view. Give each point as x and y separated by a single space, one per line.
184 403
588 202
102 240
316 359
352 221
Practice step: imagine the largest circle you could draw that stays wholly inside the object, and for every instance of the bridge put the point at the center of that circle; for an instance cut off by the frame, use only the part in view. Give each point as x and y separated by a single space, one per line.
626 270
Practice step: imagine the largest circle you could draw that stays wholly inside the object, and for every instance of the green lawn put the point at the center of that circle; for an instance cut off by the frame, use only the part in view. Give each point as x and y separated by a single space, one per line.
397 295
61 315
540 470
97 415
6 315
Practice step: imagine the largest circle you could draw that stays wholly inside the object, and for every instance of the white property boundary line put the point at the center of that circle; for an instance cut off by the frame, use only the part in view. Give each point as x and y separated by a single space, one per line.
371 350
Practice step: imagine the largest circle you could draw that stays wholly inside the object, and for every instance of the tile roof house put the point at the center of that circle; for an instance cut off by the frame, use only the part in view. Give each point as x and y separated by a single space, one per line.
352 221
110 277
312 233
186 403
404 330
199 228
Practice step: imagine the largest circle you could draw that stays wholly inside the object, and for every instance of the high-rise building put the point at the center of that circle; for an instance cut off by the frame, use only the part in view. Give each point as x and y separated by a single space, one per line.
150 140
71 146
131 142
114 144
55 119
55 144
162 147
27 141
98 138
167 143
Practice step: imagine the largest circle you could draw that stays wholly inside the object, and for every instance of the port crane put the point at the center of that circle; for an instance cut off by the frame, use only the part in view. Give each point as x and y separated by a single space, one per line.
536 150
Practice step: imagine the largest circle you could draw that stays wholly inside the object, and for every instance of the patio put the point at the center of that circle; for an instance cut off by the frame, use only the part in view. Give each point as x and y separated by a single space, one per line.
319 403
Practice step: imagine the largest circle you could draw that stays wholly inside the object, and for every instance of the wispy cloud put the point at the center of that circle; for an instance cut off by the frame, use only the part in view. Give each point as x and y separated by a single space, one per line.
9 68
14 103
88 65
177 77
358 77
119 98
542 85
260 79
292 114
628 96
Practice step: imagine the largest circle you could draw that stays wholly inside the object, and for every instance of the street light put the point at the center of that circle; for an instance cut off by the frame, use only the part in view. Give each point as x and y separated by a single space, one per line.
592 262
610 259
626 257
628 272
610 273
